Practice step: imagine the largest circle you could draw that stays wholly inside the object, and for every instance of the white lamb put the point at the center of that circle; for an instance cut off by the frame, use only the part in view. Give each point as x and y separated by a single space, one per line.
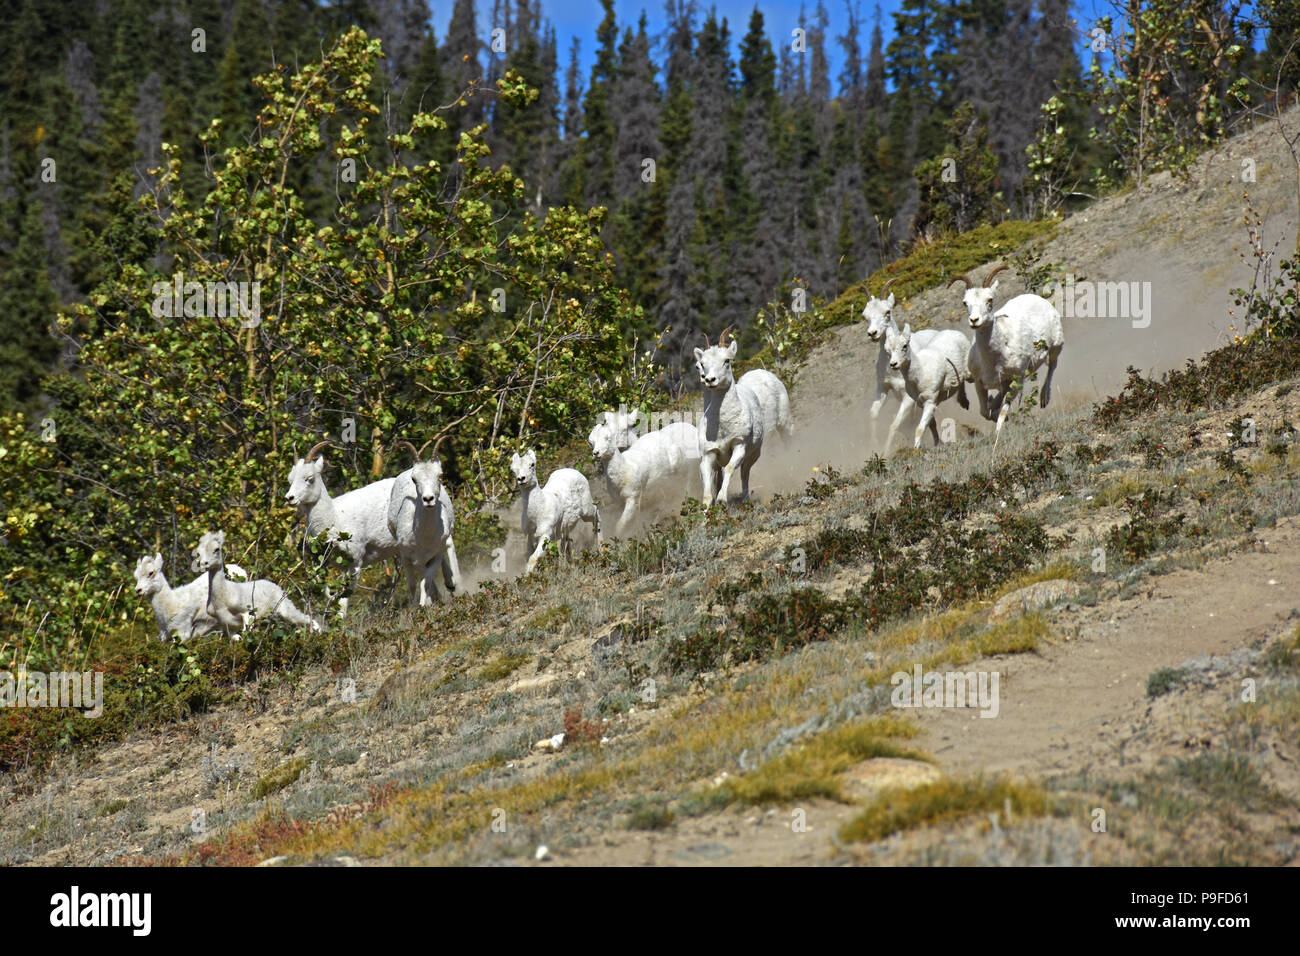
879 314
653 472
734 424
1009 345
626 424
554 511
233 603
421 518
362 514
931 374
181 611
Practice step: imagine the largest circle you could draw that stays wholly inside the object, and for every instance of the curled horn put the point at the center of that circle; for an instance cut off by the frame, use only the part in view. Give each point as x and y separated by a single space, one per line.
960 278
989 278
436 445
888 282
706 340
311 455
414 453
722 339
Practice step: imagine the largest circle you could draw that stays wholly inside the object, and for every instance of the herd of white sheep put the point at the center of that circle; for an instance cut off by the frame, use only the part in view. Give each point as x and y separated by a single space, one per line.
410 518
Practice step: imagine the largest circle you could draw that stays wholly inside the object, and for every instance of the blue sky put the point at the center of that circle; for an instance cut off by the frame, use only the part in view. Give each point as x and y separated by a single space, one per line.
580 18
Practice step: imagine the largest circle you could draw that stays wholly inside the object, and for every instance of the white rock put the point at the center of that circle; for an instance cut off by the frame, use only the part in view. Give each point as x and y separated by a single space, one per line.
557 741
542 853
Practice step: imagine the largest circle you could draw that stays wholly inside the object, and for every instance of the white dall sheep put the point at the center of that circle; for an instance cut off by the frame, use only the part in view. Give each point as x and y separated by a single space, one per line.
879 314
182 610
774 399
626 424
1010 344
734 424
653 471
232 603
362 514
552 512
932 374
421 518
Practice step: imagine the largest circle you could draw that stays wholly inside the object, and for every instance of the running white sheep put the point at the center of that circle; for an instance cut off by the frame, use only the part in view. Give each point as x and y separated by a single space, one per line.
879 314
653 472
552 512
362 514
931 374
1010 344
233 603
734 423
421 519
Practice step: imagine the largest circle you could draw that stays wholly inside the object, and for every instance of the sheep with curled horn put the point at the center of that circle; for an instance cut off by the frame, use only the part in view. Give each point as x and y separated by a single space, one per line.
1010 344
361 514
421 519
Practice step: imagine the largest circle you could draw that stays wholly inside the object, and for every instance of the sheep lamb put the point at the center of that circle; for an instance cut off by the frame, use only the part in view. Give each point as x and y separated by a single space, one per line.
653 471
552 512
362 514
879 314
932 374
232 603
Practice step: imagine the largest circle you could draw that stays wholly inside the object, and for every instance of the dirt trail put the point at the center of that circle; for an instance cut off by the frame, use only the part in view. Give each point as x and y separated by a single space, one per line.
1076 702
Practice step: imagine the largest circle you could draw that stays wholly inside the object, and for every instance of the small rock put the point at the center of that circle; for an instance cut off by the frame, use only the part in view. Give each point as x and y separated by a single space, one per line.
273 861
1035 597
557 741
542 853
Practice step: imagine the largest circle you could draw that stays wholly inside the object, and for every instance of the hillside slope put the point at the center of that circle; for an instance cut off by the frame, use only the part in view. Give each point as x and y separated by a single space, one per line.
724 684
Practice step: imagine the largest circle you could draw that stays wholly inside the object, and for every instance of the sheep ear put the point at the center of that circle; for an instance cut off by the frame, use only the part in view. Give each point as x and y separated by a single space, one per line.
699 354
158 558
634 416
890 301
731 348
994 286
907 328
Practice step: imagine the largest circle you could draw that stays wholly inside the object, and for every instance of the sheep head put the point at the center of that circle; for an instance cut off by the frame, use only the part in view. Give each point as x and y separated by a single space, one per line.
898 343
305 483
426 476
979 299
714 363
877 313
603 441
149 578
624 424
524 468
208 554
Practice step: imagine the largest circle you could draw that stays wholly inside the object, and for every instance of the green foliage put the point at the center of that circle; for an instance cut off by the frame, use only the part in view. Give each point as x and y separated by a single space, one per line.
1162 681
1145 531
959 186
1208 382
1170 85
175 422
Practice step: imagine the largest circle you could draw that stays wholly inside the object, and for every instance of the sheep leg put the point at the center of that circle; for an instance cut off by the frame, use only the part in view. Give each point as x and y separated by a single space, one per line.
706 477
982 395
927 418
875 412
1052 356
594 520
451 568
629 512
537 553
1002 416
737 455
429 593
904 407
413 585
